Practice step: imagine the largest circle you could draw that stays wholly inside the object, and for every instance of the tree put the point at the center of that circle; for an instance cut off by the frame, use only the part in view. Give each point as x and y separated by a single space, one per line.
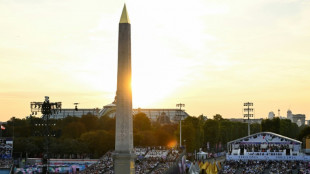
211 130
255 128
90 121
107 123
271 125
145 138
217 117
99 142
304 133
73 130
141 122
192 132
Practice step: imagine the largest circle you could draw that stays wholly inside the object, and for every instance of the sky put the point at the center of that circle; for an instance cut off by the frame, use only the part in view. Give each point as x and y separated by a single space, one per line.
211 55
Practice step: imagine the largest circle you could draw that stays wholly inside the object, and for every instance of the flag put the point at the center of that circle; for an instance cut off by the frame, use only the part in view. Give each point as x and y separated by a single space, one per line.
212 169
209 169
215 170
2 127
205 165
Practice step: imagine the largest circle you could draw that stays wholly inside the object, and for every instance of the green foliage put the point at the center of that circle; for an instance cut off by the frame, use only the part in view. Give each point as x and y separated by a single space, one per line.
192 133
146 134
90 121
73 130
280 126
217 117
304 133
271 125
92 136
99 141
255 128
107 123
141 122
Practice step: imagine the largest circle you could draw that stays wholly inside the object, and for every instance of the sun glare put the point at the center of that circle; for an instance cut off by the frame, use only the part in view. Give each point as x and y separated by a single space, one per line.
172 144
147 92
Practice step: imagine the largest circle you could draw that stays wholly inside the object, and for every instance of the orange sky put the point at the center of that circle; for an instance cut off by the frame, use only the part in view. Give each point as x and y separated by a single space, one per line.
210 55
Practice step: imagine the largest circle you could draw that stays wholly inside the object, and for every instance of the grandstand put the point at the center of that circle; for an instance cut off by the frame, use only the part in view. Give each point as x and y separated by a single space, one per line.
265 146
150 160
6 150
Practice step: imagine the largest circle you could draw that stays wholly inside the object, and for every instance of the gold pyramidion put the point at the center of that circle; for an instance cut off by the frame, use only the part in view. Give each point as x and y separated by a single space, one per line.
124 17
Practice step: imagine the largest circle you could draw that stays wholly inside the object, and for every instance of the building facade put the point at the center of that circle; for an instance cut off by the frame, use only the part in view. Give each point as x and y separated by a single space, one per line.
299 119
168 115
75 113
164 116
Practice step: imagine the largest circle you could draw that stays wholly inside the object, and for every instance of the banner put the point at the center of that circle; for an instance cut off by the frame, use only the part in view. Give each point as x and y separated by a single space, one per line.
266 158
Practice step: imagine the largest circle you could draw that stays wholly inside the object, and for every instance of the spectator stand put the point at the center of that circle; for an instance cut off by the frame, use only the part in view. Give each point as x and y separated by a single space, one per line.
6 151
265 146
149 160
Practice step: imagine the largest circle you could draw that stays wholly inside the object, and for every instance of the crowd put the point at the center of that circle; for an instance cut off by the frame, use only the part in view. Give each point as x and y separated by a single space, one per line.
140 151
167 163
6 151
5 154
6 163
147 165
268 147
104 165
230 167
265 167
282 167
149 160
255 167
157 154
303 167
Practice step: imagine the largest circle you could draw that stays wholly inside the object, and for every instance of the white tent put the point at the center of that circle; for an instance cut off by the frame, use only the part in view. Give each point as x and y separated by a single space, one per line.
202 155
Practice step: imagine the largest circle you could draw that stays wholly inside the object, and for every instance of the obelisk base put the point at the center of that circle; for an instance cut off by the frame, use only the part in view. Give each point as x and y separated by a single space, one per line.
124 163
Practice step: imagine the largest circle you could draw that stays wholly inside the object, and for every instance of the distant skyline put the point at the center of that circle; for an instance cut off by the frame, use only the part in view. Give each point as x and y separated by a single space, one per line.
210 55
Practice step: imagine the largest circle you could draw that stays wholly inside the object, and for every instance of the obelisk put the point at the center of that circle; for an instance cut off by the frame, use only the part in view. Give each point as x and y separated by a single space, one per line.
124 157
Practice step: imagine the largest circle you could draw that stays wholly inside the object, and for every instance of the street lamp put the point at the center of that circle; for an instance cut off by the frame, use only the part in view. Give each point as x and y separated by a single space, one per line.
180 105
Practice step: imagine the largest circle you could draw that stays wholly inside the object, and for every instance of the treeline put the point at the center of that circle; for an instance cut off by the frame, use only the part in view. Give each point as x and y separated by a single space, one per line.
90 136
213 134
74 137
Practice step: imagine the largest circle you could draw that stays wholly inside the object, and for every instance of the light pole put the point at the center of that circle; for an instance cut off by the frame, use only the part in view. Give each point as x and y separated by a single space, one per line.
47 108
180 115
247 109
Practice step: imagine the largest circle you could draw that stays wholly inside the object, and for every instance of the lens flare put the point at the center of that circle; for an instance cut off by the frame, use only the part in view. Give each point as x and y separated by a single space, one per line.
172 143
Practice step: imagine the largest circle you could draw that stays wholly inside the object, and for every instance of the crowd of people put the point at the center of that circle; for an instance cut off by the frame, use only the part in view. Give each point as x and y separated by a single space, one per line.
230 167
149 160
6 151
157 153
6 163
265 167
5 154
303 167
267 148
157 166
104 165
167 163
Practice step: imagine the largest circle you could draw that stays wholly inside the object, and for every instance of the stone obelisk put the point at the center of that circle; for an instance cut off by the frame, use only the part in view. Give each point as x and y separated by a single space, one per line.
124 157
